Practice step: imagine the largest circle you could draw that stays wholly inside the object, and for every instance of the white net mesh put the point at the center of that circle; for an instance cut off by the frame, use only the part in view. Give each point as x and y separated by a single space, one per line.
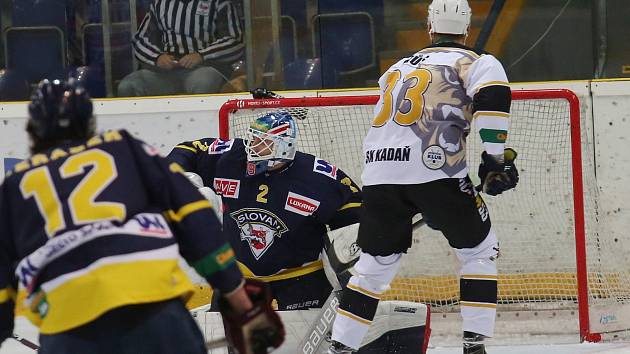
534 222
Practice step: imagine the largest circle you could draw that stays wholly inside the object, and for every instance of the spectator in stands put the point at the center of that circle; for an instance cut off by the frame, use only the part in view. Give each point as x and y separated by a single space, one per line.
185 46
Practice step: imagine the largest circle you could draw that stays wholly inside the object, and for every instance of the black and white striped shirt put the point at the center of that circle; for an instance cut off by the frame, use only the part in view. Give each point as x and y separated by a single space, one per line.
180 27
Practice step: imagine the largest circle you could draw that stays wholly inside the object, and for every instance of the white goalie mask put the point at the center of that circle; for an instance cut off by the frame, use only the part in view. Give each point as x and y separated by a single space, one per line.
271 140
449 17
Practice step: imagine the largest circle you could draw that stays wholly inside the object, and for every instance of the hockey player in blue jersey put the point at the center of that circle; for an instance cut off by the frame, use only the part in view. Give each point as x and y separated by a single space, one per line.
278 203
92 227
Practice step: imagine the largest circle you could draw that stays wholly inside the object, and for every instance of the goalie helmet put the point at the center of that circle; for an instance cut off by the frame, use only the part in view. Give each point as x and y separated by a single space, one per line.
271 140
59 111
449 17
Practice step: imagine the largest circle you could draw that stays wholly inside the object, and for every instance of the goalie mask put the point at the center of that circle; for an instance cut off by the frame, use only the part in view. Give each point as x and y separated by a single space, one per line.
271 140
449 17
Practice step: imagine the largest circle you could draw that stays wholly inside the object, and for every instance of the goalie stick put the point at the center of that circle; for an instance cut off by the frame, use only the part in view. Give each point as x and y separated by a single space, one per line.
321 326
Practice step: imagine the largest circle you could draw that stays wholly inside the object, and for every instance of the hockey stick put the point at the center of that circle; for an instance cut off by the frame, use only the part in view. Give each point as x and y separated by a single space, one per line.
217 343
213 344
210 345
25 342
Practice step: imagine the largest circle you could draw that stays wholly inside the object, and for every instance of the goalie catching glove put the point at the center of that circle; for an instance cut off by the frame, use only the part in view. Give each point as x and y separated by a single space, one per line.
262 93
257 330
208 193
498 174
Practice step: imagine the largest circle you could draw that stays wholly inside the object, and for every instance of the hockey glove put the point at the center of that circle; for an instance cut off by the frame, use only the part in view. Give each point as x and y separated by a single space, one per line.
257 330
262 93
496 176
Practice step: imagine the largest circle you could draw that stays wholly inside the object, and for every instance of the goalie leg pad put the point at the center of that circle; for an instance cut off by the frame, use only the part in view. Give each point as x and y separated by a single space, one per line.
398 327
360 297
478 285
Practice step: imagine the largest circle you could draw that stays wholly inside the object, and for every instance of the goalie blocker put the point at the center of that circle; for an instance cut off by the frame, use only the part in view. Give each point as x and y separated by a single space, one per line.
399 327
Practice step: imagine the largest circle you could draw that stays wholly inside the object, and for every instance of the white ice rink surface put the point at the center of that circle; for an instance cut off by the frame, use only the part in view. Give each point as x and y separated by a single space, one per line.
26 330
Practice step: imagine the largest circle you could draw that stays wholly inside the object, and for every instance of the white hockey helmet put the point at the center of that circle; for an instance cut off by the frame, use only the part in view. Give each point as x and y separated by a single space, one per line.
449 16
271 140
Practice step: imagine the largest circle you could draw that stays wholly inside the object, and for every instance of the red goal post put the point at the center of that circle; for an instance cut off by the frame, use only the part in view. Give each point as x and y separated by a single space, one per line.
537 222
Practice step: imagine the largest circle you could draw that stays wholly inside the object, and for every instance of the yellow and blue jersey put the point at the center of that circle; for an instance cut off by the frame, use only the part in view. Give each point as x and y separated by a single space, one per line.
93 225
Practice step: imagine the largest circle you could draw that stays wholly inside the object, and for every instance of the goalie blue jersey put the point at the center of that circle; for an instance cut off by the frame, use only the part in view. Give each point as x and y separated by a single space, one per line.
98 224
276 222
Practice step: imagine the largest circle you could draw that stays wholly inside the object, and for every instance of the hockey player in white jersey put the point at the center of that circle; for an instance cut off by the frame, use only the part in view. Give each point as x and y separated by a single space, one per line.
415 162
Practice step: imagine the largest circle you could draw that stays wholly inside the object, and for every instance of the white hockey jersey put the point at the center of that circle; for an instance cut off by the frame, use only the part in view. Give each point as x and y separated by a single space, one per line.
424 115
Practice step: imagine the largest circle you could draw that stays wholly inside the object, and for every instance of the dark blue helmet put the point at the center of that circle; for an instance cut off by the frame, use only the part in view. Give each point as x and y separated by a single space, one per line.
60 111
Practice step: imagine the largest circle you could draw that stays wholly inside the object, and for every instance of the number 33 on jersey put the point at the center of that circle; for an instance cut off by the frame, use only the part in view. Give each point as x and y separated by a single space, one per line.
427 105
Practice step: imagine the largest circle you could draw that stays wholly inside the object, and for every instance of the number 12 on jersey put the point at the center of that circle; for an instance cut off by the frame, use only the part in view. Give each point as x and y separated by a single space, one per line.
406 104
82 204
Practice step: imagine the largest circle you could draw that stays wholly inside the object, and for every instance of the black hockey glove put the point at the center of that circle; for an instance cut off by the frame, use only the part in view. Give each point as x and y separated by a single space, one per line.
257 330
497 177
261 93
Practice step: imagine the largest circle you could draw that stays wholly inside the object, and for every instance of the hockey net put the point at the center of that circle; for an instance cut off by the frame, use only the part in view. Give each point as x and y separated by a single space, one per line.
560 273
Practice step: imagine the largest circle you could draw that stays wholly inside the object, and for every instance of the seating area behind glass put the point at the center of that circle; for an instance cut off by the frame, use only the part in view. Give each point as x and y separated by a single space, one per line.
323 43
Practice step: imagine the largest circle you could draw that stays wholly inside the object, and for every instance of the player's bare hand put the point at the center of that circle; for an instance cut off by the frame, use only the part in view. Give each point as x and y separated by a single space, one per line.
166 62
190 61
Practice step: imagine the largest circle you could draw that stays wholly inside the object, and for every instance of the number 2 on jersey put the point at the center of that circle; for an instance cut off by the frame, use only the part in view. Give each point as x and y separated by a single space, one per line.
407 105
38 184
262 196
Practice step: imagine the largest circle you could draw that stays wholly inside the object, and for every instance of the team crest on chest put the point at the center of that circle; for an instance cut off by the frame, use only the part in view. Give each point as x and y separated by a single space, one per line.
259 228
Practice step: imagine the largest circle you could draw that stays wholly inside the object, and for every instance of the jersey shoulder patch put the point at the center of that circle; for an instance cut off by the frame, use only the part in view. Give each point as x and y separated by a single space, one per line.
211 146
219 146
324 167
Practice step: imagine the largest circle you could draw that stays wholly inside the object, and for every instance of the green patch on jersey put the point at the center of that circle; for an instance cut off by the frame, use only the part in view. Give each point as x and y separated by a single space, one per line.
493 135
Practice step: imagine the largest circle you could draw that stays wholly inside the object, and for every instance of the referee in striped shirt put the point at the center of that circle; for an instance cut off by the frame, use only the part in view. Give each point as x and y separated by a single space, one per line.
185 46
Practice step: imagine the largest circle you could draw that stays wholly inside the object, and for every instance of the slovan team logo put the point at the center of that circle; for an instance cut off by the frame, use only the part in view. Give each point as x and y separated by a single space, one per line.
259 228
